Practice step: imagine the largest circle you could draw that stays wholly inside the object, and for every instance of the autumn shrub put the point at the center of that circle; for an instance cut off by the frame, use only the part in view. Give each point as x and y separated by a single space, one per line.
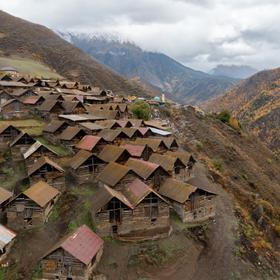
218 164
277 230
267 207
224 116
141 110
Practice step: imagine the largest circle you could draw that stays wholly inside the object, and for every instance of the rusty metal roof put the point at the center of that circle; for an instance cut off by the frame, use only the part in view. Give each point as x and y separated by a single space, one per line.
41 193
143 168
113 173
110 135
4 195
134 150
153 143
81 157
176 190
83 244
92 126
48 104
136 122
88 142
112 153
32 100
182 155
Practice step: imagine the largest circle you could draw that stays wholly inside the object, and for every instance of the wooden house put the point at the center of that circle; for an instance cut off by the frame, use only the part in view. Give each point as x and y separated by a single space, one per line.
74 257
33 101
109 124
91 143
71 135
104 114
152 173
77 119
7 238
86 166
173 165
54 128
136 212
112 153
21 144
136 122
14 109
116 175
22 93
47 170
145 132
131 132
8 133
36 151
191 203
31 207
138 151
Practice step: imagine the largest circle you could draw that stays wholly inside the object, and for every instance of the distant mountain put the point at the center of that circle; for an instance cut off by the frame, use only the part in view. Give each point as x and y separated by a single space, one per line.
233 71
181 83
256 102
21 40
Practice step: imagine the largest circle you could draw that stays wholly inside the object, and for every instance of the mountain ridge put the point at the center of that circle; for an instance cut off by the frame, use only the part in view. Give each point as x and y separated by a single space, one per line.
181 83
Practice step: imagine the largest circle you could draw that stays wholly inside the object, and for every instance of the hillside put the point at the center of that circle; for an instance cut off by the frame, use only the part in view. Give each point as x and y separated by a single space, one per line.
31 41
182 83
233 71
257 105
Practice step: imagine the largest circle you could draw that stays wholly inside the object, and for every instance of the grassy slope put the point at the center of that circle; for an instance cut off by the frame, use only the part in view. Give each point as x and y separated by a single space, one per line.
29 67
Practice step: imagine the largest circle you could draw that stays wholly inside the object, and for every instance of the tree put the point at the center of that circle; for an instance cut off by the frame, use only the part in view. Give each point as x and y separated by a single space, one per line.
141 110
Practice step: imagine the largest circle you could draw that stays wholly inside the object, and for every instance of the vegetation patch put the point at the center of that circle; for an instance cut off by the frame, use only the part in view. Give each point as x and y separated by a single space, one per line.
218 164
141 110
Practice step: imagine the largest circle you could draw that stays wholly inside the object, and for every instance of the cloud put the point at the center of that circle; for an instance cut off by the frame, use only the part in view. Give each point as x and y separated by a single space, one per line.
198 33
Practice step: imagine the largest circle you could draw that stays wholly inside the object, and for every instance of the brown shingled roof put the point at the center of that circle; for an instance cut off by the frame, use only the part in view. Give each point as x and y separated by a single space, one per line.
153 143
176 190
70 132
4 195
88 142
113 173
53 126
41 193
110 135
165 161
81 157
113 153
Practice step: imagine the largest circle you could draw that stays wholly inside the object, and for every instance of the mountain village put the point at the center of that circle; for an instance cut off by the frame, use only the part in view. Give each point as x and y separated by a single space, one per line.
137 168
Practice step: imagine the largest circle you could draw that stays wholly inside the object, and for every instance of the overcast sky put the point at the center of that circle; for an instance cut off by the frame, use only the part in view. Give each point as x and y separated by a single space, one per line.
198 33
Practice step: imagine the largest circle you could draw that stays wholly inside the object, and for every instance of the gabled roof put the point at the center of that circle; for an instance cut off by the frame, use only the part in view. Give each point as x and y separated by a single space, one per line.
34 147
170 141
69 106
32 100
136 191
112 153
136 122
40 163
81 157
83 244
143 130
4 195
130 131
110 135
182 155
88 142
103 114
108 123
153 143
53 126
6 236
70 132
176 190
4 127
19 92
80 117
104 195
165 161
41 193
49 104
113 173
22 134
13 84
134 150
156 124
142 168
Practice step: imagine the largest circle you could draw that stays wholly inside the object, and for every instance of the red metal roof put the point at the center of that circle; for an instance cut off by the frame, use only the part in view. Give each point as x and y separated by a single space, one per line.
143 130
88 142
83 244
134 150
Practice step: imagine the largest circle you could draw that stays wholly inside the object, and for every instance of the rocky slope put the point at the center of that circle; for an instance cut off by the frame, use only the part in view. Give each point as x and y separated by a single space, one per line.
256 102
183 84
28 40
